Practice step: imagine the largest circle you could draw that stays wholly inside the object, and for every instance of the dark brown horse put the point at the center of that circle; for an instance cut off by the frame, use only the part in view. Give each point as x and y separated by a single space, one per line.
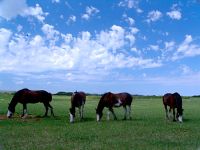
111 100
77 100
174 101
26 96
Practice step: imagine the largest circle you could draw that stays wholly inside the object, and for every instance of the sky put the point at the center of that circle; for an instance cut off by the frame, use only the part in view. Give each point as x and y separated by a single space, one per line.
148 47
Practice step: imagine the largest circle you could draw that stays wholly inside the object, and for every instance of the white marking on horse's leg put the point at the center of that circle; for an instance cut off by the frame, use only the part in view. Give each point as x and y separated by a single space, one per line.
71 118
98 117
9 113
129 112
180 119
170 114
25 114
108 115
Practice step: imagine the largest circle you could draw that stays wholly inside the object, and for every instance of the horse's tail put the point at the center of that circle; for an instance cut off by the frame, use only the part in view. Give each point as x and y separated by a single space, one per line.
130 98
49 97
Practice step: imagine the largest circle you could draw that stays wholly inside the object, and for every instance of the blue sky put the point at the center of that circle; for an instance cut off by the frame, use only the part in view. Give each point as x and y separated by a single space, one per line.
137 46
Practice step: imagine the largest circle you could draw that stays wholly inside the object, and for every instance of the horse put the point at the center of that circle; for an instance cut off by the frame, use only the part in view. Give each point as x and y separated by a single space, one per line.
25 96
77 100
174 101
111 100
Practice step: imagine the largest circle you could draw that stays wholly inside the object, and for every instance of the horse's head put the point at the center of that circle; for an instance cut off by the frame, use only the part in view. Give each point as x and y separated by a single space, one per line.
11 110
180 114
99 114
72 114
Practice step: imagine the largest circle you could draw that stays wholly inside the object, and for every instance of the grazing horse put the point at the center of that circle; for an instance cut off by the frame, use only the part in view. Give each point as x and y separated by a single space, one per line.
111 100
26 96
174 101
77 100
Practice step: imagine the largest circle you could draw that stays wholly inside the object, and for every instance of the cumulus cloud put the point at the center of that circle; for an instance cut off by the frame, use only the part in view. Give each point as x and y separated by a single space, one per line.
186 49
90 11
174 14
153 16
9 10
85 53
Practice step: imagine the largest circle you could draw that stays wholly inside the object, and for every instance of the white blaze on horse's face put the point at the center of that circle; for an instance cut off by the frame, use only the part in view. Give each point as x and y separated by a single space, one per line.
9 114
180 119
98 117
71 118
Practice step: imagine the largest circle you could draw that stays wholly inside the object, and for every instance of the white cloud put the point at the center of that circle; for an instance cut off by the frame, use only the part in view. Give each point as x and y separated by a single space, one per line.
36 12
169 45
86 53
131 4
153 16
187 49
9 10
154 47
185 69
174 14
129 20
55 1
4 39
19 28
90 11
71 19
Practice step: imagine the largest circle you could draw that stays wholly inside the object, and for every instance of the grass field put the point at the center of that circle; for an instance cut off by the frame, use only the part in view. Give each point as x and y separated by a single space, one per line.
148 128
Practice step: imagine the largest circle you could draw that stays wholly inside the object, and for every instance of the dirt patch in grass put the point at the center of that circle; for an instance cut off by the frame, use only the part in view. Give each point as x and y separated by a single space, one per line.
3 117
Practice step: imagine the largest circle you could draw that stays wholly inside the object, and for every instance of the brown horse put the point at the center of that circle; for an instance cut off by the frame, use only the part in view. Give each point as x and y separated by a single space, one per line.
111 100
174 101
26 96
77 100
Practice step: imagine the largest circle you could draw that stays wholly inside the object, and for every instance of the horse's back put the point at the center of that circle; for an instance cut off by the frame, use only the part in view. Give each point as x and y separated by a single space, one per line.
29 96
125 98
78 99
166 98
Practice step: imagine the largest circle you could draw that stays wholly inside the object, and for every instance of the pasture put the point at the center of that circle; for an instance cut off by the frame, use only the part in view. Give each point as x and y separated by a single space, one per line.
148 128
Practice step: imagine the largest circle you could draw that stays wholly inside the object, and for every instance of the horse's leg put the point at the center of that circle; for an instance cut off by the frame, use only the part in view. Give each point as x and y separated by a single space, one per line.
125 112
51 110
82 107
112 111
129 111
166 111
174 114
24 112
46 108
108 115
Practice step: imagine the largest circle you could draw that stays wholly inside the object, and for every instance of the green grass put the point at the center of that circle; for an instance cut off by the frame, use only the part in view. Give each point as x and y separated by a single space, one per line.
148 128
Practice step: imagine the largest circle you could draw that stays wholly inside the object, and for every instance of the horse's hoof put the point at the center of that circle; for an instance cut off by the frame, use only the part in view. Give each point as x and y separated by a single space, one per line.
24 116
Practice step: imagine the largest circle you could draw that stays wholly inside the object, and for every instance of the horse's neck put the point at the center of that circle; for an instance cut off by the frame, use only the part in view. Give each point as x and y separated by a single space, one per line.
13 102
